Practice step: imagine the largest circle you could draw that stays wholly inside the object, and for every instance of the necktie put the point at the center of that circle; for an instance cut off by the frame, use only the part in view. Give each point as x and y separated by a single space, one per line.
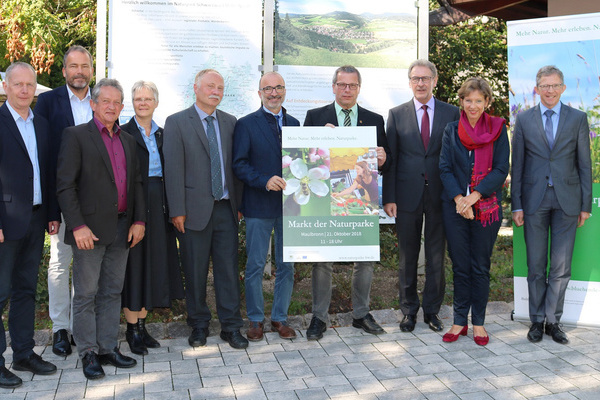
215 159
425 127
549 128
347 121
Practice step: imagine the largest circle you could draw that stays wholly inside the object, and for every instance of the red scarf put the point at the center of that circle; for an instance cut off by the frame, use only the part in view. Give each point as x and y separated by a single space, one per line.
481 139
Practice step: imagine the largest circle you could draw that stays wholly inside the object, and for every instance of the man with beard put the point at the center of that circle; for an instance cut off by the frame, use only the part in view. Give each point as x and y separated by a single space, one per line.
257 163
65 106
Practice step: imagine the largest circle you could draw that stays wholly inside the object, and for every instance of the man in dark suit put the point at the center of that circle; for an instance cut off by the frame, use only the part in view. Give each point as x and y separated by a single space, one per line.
204 198
551 191
412 192
27 206
99 190
65 106
257 163
345 111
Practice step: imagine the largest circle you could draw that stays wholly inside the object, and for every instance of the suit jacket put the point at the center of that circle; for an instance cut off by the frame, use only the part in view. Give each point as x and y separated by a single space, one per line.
256 158
568 162
86 188
16 177
326 115
187 167
404 182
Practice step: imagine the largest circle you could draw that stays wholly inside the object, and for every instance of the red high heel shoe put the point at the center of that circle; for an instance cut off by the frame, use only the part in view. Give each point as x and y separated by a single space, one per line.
451 337
481 340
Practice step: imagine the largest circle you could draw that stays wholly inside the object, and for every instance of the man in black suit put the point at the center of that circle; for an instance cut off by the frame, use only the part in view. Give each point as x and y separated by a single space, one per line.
65 106
412 190
27 206
345 111
99 189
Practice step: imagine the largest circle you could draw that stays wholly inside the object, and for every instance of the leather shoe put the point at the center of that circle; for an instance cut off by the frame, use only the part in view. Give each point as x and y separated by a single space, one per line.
315 329
134 338
235 339
408 323
117 359
536 331
198 337
60 343
8 380
558 335
368 324
284 330
434 322
35 364
91 366
255 332
148 340
452 337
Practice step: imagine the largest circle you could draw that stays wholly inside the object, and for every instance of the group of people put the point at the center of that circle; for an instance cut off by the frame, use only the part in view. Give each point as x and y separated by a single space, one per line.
127 193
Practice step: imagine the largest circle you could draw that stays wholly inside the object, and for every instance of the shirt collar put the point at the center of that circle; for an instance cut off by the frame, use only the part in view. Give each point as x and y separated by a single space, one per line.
280 113
202 114
153 127
16 115
72 95
430 103
104 129
556 108
338 108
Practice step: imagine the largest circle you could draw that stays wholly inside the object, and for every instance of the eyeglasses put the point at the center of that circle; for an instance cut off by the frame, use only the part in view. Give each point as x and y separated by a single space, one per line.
343 86
416 79
545 88
269 89
143 100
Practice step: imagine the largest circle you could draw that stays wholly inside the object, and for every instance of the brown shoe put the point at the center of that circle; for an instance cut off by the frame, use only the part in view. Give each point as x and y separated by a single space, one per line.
255 332
284 330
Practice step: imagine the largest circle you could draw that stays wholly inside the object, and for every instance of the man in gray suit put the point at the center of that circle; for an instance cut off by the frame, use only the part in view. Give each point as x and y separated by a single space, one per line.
204 198
412 191
551 191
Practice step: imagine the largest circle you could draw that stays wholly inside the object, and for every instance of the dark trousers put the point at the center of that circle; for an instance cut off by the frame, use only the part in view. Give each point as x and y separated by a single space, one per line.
470 245
218 240
409 226
19 263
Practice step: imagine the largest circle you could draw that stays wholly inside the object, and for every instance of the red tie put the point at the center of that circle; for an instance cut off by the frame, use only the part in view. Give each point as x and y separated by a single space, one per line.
425 127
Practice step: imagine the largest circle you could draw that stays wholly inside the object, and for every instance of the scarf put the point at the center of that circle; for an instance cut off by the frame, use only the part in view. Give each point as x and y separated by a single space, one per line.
480 139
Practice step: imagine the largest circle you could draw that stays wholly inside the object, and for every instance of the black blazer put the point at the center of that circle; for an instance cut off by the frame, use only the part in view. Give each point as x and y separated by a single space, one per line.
86 188
16 176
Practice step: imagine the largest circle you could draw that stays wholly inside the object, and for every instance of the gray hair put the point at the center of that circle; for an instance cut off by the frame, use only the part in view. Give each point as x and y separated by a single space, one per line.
423 63
349 69
144 85
547 71
80 49
106 82
200 74
18 64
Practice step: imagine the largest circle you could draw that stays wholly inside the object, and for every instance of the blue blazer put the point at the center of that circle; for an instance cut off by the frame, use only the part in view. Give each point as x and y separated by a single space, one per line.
256 158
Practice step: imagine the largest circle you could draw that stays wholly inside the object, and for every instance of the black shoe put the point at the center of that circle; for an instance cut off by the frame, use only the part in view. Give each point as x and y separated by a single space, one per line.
117 359
8 380
198 337
558 335
536 331
434 322
135 340
235 339
315 329
408 323
149 341
368 324
91 366
60 343
35 364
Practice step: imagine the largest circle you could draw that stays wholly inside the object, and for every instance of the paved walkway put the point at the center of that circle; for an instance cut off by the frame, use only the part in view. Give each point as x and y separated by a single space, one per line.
345 364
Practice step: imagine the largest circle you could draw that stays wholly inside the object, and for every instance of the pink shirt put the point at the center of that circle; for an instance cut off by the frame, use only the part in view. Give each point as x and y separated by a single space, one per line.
118 161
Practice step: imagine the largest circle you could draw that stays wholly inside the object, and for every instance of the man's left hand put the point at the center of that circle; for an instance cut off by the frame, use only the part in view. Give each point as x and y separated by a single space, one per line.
381 156
276 183
582 217
136 233
53 227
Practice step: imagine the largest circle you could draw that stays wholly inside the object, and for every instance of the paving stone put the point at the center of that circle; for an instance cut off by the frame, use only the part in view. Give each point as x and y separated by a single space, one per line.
427 383
505 394
325 381
326 370
284 386
534 390
216 381
100 391
260 367
219 371
186 381
245 382
297 370
251 394
555 383
312 394
272 376
212 393
353 370
476 396
510 381
461 388
157 366
132 391
428 369
366 385
184 367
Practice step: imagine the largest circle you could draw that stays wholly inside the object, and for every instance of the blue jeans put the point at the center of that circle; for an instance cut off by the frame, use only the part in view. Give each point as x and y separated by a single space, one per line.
258 233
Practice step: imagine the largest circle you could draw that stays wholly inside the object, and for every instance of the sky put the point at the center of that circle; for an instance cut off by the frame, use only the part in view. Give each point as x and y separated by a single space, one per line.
354 6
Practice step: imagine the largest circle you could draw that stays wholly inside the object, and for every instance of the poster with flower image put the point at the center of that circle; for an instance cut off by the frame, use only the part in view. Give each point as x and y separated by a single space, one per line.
331 199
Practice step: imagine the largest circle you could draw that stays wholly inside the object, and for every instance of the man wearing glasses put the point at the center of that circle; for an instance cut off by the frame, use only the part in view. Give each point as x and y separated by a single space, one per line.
345 111
551 192
257 163
412 192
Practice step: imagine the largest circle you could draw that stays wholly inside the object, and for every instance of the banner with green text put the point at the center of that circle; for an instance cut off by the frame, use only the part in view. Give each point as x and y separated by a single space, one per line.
331 199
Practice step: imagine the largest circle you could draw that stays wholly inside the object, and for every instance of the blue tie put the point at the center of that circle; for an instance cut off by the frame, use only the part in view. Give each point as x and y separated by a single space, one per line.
549 128
215 159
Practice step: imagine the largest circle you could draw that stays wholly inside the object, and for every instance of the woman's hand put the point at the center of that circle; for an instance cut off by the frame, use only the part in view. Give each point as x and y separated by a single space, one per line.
464 204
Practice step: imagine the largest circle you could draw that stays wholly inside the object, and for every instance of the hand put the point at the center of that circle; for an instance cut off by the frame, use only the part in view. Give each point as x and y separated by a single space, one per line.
276 183
1 236
381 156
179 223
53 227
136 233
390 209
582 217
518 218
84 238
464 204
330 125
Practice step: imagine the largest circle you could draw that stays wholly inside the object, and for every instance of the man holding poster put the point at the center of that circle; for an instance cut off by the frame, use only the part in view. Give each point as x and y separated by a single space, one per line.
345 111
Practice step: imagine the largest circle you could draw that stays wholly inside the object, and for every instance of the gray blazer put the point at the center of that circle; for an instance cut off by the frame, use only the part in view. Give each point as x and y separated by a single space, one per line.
187 167
569 162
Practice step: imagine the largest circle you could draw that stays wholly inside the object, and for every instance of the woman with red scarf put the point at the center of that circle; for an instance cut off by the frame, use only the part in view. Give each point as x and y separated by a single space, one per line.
473 167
